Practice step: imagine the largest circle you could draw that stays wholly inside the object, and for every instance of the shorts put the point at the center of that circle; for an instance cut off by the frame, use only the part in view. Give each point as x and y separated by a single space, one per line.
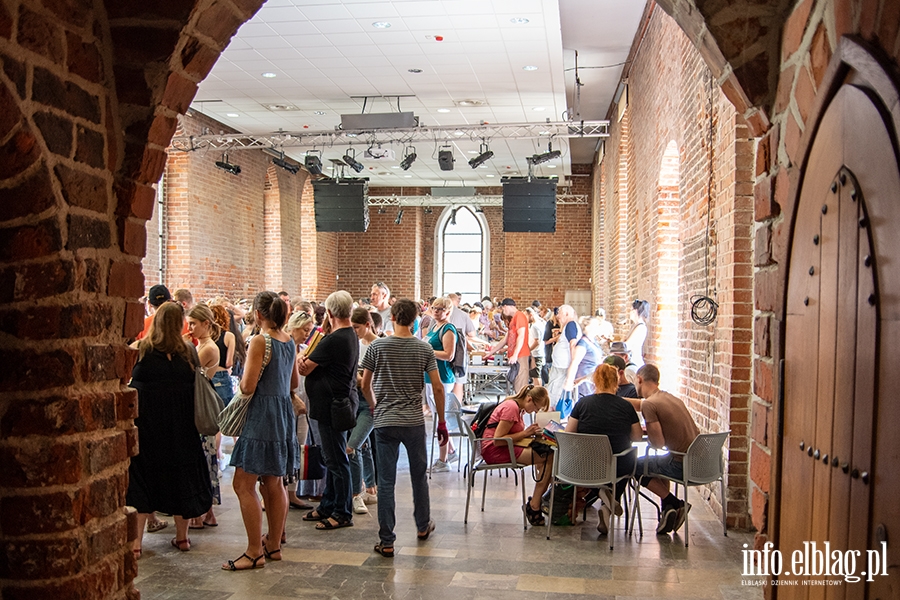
664 464
537 362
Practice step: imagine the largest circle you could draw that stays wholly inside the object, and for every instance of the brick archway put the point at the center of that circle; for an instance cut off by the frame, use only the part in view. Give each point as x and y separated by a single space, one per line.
89 96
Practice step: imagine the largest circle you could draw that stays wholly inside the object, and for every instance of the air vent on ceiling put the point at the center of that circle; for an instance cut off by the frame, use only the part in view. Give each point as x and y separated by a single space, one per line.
469 103
281 107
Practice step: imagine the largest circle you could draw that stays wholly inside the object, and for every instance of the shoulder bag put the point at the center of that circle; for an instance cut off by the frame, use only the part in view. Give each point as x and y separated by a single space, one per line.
207 404
232 419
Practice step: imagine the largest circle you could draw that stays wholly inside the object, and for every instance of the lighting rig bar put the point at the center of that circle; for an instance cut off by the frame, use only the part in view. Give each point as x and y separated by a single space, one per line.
486 200
421 134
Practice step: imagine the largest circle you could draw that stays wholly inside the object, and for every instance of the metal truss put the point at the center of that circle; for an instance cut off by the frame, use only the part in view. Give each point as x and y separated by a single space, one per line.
421 134
486 200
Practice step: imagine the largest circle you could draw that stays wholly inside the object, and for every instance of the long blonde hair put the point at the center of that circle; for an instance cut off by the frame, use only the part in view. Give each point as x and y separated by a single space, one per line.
202 313
165 333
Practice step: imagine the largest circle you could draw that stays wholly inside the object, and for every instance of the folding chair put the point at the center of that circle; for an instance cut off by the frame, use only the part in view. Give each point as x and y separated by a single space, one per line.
453 416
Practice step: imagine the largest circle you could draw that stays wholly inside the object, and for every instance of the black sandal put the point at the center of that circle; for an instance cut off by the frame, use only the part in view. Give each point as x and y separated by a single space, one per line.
326 524
314 515
270 554
535 516
384 550
254 563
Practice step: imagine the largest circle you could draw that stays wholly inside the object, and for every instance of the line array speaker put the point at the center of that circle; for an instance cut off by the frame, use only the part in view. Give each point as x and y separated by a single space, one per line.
341 204
529 206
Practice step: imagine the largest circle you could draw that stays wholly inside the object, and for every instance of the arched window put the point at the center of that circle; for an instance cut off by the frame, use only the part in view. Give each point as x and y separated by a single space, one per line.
461 263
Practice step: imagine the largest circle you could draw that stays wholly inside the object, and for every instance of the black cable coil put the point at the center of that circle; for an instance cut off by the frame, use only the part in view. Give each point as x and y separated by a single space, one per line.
703 310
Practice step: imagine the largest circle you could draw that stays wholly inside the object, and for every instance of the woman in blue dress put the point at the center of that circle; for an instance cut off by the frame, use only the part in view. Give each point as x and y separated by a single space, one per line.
267 448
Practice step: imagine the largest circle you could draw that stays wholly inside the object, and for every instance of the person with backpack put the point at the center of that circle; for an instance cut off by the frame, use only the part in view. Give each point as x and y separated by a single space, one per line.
506 421
443 337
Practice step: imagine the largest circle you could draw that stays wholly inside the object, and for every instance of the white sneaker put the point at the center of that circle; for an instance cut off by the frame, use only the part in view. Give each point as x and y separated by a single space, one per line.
440 466
369 498
452 457
359 505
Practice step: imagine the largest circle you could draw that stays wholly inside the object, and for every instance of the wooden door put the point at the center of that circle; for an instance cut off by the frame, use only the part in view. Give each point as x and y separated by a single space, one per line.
838 455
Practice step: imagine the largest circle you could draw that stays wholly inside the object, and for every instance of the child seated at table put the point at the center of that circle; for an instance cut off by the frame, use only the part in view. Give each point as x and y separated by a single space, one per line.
604 413
507 422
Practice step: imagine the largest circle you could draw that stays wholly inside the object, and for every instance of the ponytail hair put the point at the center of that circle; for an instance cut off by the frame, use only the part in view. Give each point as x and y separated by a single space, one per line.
202 313
606 379
272 308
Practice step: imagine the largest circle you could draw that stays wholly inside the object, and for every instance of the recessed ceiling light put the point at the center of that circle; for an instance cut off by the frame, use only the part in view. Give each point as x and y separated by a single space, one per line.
518 20
381 24
414 70
489 175
459 133
395 166
330 168
539 108
551 166
319 112
443 110
529 68
352 134
232 115
474 152
408 176
269 75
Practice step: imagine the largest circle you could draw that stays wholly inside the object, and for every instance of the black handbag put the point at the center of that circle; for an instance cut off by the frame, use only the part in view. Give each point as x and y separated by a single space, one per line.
312 465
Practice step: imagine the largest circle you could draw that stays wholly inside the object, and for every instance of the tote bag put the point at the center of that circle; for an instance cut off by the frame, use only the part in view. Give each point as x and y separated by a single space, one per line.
232 419
312 465
207 404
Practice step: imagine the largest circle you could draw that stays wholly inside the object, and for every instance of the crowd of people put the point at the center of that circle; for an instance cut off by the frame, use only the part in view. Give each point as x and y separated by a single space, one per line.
384 363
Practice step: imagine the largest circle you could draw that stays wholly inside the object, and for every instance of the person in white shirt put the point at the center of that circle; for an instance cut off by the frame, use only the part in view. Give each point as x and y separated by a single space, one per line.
536 326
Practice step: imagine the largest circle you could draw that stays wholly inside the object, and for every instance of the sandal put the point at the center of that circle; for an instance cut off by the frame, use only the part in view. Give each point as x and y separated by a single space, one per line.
423 535
183 545
157 525
313 516
535 516
334 523
384 550
254 563
270 554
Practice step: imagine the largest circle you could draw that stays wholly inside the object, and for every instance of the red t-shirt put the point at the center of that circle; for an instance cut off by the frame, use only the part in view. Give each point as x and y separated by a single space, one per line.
519 321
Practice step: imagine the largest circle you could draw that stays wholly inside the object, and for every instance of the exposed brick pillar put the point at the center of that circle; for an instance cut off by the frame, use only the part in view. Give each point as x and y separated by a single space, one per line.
88 101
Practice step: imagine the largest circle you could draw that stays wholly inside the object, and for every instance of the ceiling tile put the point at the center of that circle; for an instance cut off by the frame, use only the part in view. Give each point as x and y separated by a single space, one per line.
332 26
320 12
380 11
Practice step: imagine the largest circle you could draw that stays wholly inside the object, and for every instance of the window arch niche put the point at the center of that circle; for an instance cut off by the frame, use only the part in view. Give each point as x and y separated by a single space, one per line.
461 257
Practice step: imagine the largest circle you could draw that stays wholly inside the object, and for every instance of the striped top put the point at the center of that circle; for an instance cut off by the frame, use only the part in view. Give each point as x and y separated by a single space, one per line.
397 365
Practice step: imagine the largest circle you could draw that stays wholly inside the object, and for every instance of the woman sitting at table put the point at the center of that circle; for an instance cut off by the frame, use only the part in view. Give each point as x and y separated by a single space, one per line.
604 413
507 422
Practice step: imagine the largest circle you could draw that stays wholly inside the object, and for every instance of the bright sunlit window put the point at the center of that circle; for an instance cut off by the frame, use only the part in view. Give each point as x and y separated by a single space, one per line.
462 253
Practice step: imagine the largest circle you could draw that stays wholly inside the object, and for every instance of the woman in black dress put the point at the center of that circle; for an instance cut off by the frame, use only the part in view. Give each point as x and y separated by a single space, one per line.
170 473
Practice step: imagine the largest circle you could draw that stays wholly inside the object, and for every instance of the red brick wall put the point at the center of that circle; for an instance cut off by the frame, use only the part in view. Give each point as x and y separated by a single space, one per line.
656 246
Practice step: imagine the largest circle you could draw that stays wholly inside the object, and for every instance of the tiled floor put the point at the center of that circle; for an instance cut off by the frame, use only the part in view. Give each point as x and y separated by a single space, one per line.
491 557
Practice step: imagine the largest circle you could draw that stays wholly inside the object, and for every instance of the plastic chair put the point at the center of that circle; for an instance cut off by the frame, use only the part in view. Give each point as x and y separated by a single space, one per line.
476 464
703 463
452 415
587 460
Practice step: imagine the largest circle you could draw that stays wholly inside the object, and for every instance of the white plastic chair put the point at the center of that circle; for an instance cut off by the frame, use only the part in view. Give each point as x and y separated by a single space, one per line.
703 463
452 415
587 460
476 464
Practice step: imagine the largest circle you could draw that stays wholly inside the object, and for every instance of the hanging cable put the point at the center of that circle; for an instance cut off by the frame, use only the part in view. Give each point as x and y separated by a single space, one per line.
703 308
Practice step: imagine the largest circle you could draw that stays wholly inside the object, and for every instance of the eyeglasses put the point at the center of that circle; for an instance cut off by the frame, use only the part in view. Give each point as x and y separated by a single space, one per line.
304 314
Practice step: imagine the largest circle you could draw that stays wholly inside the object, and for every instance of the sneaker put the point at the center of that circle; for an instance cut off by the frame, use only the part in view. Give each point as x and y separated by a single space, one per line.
666 521
369 498
681 515
452 457
359 506
607 498
603 525
440 466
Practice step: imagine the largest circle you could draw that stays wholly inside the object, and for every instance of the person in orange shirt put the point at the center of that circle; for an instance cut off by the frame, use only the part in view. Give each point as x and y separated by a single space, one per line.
156 297
518 349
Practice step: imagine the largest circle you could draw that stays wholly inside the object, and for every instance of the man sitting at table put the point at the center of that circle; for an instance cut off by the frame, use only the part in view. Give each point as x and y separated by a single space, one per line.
669 425
625 389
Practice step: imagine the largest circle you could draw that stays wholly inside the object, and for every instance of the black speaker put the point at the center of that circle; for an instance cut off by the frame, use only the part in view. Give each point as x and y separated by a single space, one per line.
341 204
529 205
445 160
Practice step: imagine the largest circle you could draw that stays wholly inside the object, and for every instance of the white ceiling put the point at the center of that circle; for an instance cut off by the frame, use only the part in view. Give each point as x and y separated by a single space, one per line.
322 52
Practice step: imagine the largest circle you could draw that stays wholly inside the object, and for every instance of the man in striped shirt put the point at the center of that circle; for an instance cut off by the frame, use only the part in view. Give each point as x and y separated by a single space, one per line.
394 371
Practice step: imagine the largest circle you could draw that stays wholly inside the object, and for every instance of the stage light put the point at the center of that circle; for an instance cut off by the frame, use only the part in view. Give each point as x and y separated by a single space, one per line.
409 159
289 167
547 156
227 166
445 159
482 158
350 159
399 217
313 163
